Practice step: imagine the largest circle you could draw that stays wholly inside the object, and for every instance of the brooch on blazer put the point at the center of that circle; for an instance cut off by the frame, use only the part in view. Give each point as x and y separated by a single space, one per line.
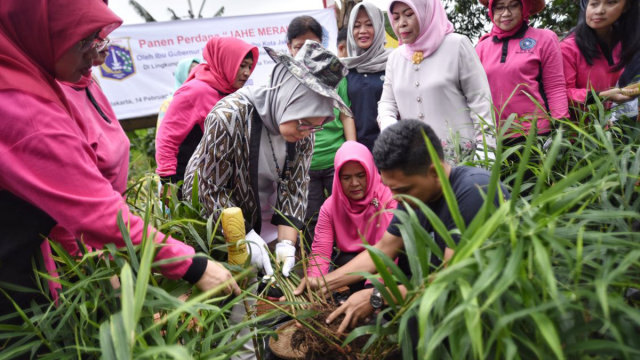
417 57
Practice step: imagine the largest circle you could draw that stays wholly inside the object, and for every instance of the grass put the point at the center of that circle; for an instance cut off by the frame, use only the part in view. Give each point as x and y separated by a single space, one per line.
544 274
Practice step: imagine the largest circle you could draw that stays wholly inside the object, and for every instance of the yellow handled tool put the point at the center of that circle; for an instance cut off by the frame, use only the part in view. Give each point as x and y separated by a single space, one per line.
233 228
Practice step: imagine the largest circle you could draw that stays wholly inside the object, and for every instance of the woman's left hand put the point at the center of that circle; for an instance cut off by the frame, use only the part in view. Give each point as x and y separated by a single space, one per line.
616 95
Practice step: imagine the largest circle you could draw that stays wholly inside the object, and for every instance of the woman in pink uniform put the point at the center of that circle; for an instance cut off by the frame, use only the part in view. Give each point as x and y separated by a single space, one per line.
50 170
598 48
229 63
104 134
522 61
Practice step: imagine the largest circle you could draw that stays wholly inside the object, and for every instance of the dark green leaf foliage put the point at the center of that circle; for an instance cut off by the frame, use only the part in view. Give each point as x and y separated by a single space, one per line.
542 276
144 317
545 274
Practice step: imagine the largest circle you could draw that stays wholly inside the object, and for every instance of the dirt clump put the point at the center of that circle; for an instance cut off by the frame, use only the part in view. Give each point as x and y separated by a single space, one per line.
317 347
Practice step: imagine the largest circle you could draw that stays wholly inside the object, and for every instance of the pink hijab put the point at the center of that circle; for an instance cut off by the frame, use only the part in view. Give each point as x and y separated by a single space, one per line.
434 26
354 218
223 56
83 83
35 34
501 34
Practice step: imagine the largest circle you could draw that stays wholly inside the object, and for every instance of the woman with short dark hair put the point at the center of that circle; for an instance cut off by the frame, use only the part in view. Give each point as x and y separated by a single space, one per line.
301 29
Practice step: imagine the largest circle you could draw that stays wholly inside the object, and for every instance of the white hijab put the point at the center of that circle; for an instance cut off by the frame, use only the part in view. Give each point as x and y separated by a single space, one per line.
286 99
374 59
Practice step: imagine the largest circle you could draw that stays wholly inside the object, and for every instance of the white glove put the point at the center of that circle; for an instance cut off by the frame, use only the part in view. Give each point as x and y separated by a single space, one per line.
286 254
259 252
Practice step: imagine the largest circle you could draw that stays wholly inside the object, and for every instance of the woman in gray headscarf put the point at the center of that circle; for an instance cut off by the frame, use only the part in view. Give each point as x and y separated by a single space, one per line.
366 63
257 146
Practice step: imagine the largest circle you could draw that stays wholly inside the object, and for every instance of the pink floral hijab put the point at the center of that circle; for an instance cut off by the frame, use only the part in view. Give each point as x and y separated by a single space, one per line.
351 219
434 26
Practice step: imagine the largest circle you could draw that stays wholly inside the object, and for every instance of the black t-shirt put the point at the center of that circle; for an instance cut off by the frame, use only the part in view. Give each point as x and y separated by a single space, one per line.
468 185
364 92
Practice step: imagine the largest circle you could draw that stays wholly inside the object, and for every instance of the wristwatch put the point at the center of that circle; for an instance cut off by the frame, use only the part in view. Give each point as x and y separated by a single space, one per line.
376 300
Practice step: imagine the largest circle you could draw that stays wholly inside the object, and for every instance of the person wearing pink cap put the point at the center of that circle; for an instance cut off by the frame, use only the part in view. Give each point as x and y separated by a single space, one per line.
522 62
51 173
354 211
596 51
435 76
229 63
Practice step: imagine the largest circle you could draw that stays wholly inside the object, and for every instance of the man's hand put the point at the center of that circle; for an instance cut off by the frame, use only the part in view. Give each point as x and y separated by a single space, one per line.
356 308
259 252
216 275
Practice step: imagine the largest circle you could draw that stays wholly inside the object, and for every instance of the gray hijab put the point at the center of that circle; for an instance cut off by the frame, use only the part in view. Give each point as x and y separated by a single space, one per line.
373 59
286 99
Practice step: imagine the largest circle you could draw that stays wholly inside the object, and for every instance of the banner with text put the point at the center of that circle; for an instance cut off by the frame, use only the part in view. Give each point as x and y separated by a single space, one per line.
138 73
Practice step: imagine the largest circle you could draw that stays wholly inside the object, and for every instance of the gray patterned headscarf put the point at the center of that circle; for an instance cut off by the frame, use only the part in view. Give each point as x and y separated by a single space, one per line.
373 59
286 99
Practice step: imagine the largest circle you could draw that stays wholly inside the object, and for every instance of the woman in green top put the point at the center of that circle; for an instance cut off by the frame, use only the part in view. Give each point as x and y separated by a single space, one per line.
328 140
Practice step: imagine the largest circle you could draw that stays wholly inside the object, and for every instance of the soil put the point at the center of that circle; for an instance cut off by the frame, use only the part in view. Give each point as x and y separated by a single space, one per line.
318 348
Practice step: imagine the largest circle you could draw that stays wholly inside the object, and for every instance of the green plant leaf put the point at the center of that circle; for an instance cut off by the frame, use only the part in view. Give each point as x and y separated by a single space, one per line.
549 333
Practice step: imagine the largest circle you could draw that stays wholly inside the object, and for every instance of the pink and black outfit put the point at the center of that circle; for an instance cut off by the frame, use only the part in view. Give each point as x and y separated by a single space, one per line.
581 77
50 166
524 61
183 124
104 134
108 140
344 221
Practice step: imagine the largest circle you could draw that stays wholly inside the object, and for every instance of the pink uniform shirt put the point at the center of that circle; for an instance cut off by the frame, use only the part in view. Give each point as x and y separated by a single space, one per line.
582 77
532 65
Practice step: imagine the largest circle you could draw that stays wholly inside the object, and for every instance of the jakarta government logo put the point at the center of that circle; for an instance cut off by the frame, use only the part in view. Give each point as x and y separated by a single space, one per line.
527 44
119 62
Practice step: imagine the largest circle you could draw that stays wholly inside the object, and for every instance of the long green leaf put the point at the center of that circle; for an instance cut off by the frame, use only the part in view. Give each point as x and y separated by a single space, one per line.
128 303
549 333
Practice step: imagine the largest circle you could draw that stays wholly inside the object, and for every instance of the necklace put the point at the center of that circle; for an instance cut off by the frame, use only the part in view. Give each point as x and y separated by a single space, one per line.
275 160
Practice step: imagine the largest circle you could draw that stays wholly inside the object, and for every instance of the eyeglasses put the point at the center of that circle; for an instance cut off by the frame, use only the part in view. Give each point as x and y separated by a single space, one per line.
102 44
308 127
93 42
511 7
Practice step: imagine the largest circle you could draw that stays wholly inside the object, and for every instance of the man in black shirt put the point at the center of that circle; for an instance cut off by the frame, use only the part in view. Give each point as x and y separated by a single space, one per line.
402 157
